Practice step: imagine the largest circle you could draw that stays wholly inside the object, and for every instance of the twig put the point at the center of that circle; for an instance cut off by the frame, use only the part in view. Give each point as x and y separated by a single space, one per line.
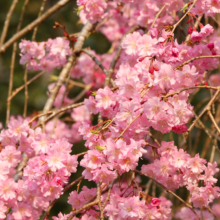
54 113
16 91
99 200
196 58
203 111
212 212
108 195
39 14
7 20
25 93
213 120
33 24
13 61
188 88
96 61
81 154
157 16
128 126
178 22
46 214
86 206
169 191
209 133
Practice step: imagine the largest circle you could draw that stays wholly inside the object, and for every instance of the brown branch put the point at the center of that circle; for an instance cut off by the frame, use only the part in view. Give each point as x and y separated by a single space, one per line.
178 22
128 126
25 93
157 16
34 24
78 46
204 110
169 191
7 21
16 91
46 214
96 61
54 113
213 120
39 14
188 88
86 206
13 61
196 58
212 212
99 201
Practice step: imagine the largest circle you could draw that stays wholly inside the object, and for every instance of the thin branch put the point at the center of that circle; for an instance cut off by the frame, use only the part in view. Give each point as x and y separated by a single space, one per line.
16 91
179 21
34 24
13 61
25 93
188 88
207 131
196 58
157 16
46 214
128 126
39 14
7 21
54 113
169 191
96 61
213 120
204 110
212 212
99 200
86 206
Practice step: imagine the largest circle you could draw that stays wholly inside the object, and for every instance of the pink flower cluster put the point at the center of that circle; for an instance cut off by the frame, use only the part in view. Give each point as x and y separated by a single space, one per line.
44 56
59 129
90 73
92 10
48 169
175 168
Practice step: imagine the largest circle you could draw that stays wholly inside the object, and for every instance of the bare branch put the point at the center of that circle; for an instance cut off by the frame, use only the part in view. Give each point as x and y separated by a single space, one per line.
7 20
13 61
34 24
96 60
169 191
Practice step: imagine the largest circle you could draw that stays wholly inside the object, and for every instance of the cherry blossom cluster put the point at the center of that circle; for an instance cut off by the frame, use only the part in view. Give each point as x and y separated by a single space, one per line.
175 168
90 73
45 55
48 169
59 129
